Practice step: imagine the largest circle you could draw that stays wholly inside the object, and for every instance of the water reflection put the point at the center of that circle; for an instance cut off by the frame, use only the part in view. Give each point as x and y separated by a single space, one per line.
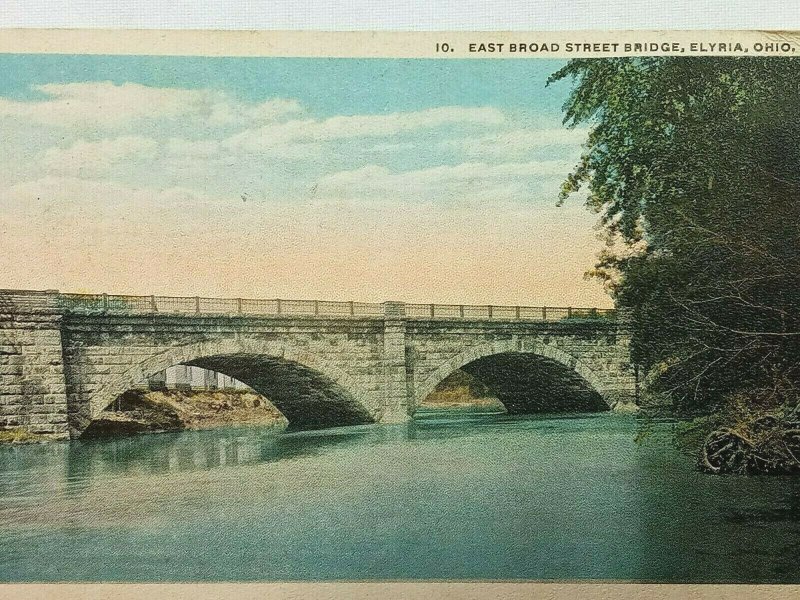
490 496
153 454
192 451
85 461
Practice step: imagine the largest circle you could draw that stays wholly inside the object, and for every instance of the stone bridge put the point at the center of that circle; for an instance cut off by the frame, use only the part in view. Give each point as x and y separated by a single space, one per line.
65 357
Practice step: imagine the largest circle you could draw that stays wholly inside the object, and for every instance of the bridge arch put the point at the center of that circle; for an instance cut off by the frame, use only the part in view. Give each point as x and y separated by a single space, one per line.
513 347
317 393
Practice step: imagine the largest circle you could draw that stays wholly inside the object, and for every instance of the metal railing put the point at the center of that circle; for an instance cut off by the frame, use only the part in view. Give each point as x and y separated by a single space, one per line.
220 306
524 313
280 307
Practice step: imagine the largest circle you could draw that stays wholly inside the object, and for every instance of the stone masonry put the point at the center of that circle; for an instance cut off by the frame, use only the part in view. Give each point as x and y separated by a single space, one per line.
32 383
60 366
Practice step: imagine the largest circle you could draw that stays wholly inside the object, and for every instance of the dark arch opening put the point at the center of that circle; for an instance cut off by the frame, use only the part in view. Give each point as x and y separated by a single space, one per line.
530 383
306 398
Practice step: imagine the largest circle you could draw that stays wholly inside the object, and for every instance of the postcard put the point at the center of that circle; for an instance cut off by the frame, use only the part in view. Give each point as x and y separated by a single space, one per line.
399 314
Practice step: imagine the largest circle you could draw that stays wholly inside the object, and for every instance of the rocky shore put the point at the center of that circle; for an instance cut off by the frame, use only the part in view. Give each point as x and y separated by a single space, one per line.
141 411
462 392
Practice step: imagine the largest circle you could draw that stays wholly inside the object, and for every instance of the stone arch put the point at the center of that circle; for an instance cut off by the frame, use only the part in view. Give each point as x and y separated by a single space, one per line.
539 348
277 352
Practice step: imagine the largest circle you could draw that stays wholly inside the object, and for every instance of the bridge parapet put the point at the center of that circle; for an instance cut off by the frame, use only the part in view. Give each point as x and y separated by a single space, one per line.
187 305
282 307
505 312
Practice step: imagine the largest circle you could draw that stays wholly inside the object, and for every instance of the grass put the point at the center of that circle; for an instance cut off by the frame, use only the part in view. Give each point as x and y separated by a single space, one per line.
19 436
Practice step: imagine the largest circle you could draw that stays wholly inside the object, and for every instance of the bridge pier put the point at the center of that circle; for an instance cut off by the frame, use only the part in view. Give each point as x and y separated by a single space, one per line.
396 407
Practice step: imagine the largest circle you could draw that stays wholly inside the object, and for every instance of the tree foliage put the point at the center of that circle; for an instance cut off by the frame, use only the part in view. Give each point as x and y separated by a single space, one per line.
694 167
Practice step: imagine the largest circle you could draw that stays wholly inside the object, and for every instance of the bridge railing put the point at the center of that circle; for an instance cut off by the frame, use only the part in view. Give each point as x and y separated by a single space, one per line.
527 313
202 305
250 306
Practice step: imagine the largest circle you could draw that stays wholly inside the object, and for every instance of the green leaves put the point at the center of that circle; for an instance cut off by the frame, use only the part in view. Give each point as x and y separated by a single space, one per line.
694 167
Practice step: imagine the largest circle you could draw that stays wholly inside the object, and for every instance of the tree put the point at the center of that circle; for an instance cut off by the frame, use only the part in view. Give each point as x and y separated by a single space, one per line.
693 165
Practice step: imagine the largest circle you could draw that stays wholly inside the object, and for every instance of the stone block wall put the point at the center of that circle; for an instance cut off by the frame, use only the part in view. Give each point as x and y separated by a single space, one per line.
32 387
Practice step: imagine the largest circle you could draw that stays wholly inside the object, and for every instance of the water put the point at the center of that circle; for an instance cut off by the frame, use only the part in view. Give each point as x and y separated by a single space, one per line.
445 497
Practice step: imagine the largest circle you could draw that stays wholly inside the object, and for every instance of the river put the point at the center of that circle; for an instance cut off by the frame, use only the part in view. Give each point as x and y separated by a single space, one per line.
443 497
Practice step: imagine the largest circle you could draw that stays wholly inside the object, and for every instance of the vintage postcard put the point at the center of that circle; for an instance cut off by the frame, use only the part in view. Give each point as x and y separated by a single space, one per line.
399 307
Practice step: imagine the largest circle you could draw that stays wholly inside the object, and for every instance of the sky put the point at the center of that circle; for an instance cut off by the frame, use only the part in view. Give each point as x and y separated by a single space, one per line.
341 179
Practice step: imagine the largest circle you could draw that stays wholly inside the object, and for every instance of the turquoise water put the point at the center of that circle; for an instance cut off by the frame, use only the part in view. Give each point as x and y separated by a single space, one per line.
444 497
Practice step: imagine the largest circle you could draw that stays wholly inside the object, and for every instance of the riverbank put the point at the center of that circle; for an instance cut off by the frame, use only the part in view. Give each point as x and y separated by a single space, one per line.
464 403
21 436
462 392
742 444
143 411
465 407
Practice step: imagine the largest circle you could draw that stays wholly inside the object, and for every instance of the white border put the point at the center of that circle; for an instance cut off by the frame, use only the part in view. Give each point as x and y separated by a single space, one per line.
402 15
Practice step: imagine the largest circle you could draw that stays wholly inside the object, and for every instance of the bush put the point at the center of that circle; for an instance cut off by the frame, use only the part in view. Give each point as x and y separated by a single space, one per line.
755 432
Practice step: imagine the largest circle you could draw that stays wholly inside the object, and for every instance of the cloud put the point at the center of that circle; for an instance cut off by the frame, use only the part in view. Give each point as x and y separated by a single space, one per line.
362 126
392 124
73 198
193 149
101 179
519 142
465 181
104 104
95 159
